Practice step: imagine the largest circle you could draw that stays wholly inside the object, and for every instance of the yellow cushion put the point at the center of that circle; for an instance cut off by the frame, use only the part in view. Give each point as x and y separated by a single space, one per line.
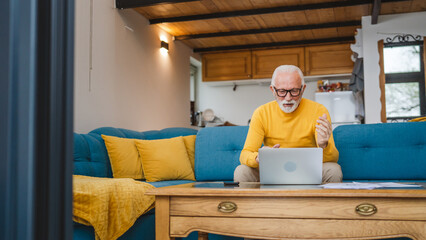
190 148
165 159
124 157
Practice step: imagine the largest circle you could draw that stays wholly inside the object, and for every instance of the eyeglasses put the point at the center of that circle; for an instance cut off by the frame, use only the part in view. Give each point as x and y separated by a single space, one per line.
295 92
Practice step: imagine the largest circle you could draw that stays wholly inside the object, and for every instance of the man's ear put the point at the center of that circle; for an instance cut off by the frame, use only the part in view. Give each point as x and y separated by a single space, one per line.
303 90
272 89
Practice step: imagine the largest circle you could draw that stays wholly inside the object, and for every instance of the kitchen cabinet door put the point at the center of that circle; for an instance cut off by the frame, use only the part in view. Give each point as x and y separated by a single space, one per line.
264 62
328 59
227 66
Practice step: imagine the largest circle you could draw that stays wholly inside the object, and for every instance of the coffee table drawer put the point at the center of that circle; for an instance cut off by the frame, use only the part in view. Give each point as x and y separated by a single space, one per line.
301 207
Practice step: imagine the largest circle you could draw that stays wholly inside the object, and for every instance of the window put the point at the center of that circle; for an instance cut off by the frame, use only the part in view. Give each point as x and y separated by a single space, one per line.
404 80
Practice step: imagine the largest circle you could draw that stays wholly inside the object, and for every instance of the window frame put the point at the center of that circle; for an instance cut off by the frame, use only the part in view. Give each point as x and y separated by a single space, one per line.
408 77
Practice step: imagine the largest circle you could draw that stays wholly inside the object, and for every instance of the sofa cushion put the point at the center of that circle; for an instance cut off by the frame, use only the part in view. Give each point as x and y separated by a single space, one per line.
190 148
217 152
385 151
124 157
165 159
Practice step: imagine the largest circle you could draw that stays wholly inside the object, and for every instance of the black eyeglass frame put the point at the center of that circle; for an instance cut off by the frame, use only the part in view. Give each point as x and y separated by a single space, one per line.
288 91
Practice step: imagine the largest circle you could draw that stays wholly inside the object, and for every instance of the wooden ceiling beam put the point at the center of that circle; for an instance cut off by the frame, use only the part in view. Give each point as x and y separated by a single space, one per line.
270 30
302 7
122 4
276 44
375 12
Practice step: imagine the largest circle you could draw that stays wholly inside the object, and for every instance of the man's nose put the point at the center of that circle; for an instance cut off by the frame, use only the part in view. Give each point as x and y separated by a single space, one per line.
288 97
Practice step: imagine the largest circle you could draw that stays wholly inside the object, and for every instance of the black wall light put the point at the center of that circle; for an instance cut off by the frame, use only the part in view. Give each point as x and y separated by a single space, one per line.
164 46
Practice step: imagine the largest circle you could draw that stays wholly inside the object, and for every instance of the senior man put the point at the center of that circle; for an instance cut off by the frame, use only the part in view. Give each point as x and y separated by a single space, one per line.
289 122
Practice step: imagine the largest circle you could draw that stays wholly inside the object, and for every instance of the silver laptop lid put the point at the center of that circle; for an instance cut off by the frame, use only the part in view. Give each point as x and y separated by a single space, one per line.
290 165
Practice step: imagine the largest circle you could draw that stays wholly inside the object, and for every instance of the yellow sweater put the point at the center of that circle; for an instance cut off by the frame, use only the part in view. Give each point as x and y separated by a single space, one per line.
270 125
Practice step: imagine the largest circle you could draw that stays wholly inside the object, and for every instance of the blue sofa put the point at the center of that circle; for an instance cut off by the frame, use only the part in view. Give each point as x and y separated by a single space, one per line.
370 152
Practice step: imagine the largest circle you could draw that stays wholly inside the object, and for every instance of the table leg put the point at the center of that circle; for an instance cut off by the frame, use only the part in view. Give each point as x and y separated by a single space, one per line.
162 218
203 236
421 231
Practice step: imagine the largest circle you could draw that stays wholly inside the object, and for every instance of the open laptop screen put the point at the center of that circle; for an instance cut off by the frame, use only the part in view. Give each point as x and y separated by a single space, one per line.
290 165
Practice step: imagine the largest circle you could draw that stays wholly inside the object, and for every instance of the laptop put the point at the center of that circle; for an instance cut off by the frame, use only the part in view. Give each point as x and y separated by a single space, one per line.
290 165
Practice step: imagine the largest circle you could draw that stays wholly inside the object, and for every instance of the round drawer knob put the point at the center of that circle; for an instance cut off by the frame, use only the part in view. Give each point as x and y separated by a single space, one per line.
227 207
366 209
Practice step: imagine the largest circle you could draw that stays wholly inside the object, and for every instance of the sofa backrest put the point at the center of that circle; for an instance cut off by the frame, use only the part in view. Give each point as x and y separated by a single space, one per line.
90 154
384 151
217 152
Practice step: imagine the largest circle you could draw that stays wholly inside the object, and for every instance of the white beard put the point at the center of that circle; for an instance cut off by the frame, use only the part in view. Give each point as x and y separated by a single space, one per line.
289 109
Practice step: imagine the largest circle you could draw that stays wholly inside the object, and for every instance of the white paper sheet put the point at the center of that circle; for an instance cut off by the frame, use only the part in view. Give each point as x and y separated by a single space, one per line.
367 185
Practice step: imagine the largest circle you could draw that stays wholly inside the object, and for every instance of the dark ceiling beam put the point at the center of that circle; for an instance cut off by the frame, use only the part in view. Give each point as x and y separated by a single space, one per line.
342 3
276 44
375 12
122 4
270 30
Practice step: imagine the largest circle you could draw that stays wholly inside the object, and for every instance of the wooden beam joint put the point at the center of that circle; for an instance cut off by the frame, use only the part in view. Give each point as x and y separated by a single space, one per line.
375 12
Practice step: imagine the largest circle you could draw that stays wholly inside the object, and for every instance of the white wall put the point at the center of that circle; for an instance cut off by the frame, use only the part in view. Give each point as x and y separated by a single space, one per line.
388 26
233 106
131 85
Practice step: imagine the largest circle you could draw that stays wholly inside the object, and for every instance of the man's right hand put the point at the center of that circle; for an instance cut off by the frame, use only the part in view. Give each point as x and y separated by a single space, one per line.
275 146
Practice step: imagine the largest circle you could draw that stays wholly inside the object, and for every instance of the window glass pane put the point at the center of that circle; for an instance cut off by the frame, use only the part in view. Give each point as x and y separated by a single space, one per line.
402 99
401 59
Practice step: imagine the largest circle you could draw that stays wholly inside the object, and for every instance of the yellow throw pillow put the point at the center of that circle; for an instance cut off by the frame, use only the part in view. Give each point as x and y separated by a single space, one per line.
165 159
124 157
190 148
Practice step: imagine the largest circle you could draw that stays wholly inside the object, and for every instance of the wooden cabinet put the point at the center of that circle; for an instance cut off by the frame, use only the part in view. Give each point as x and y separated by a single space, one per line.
264 62
227 66
328 59
255 64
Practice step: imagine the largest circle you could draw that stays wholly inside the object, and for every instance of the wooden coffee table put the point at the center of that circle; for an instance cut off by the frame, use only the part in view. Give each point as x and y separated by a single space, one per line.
289 212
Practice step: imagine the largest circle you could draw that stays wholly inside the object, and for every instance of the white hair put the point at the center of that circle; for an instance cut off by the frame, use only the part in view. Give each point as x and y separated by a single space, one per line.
288 69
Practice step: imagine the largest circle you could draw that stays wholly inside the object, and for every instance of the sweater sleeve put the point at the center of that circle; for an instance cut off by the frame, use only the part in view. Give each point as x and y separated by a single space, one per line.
253 142
330 153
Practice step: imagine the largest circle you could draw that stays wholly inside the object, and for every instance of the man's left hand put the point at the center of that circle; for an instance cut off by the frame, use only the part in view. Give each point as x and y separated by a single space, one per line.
323 129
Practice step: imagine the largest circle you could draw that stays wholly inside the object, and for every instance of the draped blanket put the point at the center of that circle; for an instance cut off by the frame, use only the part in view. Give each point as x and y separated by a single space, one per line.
110 205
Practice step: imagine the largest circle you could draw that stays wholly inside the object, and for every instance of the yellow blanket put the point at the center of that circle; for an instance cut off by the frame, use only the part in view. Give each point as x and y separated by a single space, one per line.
419 119
110 205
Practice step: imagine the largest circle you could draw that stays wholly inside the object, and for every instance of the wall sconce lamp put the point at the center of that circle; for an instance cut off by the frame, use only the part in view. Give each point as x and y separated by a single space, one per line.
164 47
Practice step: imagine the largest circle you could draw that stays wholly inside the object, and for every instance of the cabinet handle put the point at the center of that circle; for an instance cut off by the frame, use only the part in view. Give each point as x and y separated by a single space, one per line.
227 207
366 209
